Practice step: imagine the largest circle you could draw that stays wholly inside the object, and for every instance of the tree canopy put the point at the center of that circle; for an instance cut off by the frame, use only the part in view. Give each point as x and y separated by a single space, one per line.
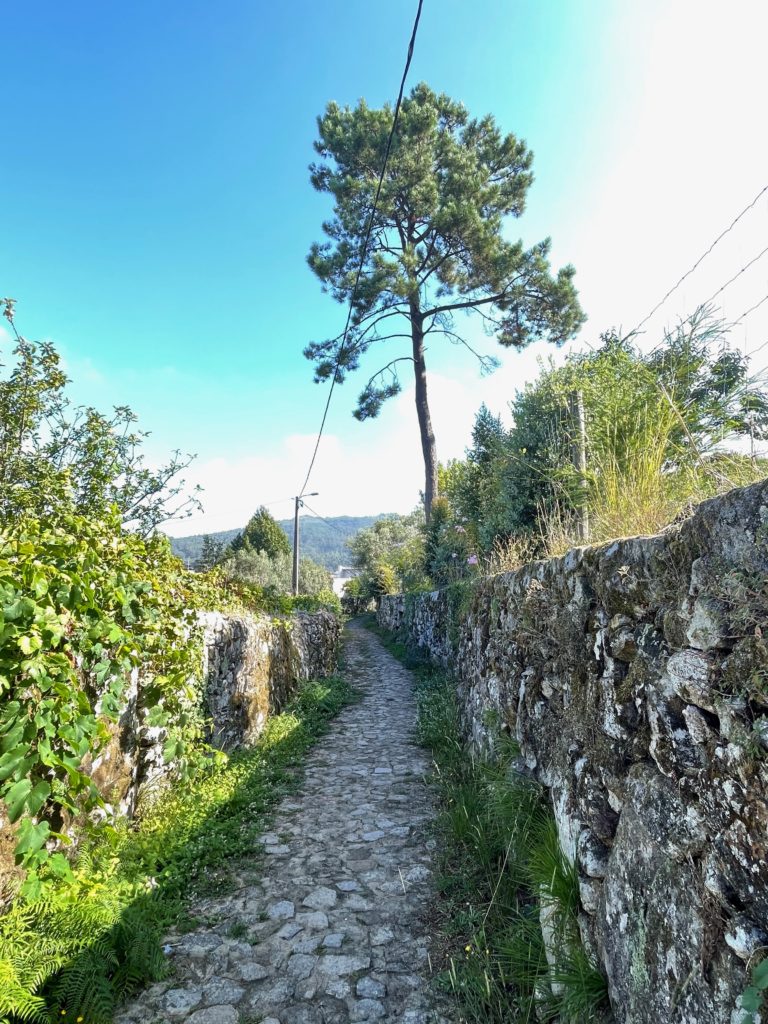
54 454
437 247
391 549
262 533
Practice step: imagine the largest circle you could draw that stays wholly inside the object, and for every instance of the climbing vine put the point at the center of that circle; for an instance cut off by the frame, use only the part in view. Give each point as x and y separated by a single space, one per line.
82 605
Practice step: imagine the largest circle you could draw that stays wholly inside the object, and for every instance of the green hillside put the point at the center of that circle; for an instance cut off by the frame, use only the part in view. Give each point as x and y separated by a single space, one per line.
323 540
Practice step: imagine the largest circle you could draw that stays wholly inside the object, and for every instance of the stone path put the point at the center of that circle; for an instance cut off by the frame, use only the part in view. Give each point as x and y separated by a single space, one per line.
334 931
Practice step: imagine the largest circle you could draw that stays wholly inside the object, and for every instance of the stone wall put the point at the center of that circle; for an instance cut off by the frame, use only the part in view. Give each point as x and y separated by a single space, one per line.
634 676
251 667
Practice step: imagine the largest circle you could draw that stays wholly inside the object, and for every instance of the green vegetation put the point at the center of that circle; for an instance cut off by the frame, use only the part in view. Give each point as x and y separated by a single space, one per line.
501 874
89 594
82 603
390 557
94 937
54 454
753 999
275 575
436 246
658 430
261 533
259 558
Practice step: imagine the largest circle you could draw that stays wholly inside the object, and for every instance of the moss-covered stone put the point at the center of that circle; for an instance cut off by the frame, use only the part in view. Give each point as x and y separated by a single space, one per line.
635 679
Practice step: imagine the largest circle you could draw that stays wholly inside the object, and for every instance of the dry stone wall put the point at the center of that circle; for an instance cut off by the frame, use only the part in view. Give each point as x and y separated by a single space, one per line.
251 667
634 676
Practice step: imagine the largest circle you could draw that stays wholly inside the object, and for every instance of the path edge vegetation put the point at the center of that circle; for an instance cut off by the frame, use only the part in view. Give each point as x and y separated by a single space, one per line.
85 945
501 876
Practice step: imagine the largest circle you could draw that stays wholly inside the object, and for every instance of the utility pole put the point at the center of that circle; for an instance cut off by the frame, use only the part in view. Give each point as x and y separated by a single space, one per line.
580 463
298 504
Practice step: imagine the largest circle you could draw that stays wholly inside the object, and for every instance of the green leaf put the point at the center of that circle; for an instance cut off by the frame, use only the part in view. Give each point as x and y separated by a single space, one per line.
11 761
59 866
29 643
12 737
750 1000
32 837
32 888
157 717
760 975
37 797
172 749
15 798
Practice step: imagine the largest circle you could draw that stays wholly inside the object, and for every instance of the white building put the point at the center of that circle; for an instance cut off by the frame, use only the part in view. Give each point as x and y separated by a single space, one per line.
341 576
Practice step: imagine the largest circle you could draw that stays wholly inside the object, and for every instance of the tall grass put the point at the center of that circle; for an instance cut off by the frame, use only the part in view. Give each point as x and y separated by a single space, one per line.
641 479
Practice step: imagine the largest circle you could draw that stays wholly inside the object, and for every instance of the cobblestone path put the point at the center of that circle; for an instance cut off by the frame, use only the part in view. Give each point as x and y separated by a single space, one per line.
336 928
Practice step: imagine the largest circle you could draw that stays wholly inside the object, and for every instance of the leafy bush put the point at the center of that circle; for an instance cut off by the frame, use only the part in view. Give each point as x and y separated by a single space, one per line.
275 573
54 455
324 600
657 431
396 542
82 604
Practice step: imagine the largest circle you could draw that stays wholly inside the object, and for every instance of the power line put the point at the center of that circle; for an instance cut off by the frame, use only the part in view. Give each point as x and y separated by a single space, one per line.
714 295
735 276
364 248
701 258
326 521
277 501
751 309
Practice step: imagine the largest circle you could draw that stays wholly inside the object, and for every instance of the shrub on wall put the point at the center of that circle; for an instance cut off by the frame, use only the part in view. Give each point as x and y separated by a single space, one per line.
82 604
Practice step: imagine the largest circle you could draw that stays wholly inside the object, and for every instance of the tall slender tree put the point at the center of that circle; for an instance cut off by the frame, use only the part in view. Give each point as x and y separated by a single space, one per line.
436 246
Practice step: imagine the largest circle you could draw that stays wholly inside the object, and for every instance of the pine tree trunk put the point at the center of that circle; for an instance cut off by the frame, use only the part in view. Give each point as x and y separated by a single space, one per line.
428 445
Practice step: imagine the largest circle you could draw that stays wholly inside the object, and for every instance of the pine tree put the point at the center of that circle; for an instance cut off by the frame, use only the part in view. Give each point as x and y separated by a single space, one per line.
211 553
262 533
436 246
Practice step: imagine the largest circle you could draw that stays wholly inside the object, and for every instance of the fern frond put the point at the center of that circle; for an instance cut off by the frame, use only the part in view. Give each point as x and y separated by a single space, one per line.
83 989
15 998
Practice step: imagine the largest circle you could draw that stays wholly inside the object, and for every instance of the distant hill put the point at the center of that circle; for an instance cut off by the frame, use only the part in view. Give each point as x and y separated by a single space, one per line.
322 540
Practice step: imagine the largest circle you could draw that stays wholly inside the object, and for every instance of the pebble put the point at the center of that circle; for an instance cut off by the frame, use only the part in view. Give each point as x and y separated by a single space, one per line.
215 1015
321 898
280 910
370 988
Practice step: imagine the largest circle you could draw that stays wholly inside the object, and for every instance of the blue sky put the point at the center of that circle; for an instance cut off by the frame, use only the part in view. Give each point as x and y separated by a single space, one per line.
157 210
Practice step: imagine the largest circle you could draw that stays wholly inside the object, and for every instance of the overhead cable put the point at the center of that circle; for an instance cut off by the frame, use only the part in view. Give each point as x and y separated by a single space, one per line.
366 240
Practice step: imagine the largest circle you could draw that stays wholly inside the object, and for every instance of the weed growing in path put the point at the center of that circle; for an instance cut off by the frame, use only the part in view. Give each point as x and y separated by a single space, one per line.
501 875
89 943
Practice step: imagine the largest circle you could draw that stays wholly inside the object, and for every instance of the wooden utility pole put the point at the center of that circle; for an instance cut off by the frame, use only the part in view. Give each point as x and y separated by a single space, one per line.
299 503
580 463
